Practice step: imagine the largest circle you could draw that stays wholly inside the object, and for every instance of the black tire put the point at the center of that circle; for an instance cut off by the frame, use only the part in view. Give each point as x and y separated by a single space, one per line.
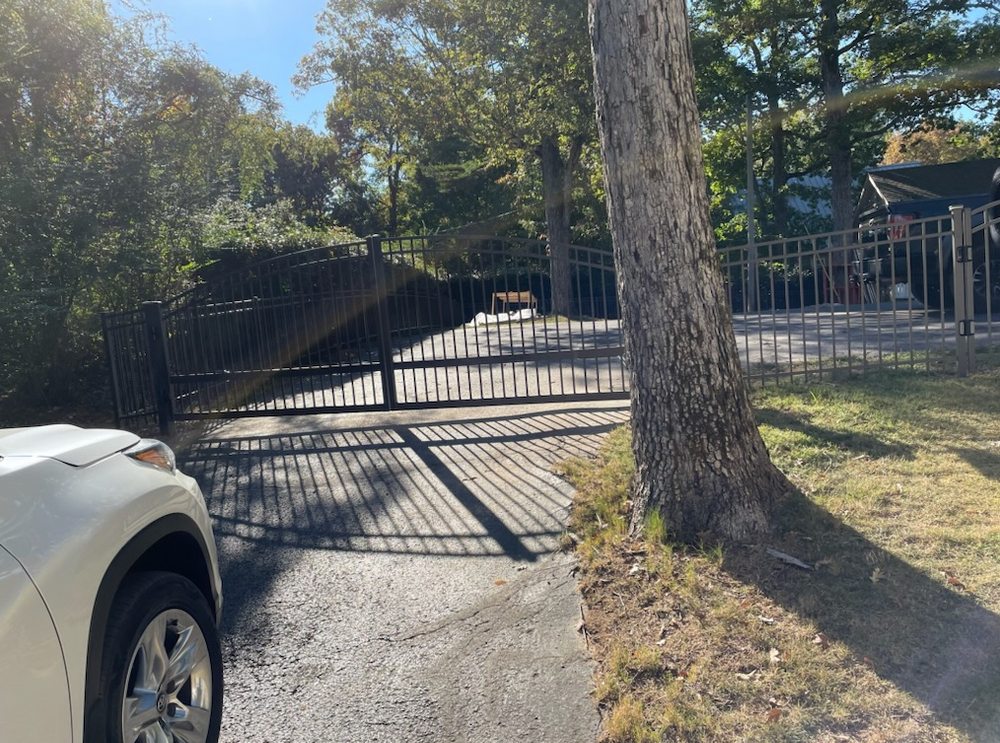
986 283
148 607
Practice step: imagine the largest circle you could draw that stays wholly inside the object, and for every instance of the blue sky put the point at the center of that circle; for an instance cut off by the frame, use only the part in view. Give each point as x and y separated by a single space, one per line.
264 37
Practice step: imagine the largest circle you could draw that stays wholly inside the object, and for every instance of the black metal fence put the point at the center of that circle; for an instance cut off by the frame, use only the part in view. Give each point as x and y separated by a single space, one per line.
383 324
452 321
903 295
126 343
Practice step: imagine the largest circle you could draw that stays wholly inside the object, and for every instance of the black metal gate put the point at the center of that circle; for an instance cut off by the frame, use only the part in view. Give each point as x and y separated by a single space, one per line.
384 324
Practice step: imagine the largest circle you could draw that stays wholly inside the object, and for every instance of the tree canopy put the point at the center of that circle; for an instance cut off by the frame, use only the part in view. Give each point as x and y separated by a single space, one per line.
115 150
129 164
511 80
829 81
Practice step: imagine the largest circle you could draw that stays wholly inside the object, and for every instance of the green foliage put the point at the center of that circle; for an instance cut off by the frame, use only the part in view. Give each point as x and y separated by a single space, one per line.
256 234
827 81
305 167
115 149
439 98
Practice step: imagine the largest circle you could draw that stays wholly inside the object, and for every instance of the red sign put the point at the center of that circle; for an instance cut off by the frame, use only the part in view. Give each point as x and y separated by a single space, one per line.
900 220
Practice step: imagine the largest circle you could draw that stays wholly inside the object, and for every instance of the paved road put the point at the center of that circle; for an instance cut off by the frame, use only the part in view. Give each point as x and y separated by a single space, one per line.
778 341
437 368
829 333
390 577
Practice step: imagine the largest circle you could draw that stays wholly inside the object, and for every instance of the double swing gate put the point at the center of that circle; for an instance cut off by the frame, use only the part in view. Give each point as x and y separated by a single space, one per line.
384 324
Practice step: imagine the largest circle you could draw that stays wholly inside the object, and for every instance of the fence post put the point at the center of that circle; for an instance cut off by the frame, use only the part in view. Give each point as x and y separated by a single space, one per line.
384 329
965 326
109 358
159 372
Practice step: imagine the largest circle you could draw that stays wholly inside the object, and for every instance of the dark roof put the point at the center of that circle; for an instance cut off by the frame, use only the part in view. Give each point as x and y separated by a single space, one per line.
935 181
925 190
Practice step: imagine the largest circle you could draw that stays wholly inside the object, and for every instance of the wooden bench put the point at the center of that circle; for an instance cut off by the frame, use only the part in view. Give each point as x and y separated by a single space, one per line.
506 299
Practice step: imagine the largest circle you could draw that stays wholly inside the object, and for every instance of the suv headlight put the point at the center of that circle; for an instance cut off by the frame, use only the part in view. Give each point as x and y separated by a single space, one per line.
155 453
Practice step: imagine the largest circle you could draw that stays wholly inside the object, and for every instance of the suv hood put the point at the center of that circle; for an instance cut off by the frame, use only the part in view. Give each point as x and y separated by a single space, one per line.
68 444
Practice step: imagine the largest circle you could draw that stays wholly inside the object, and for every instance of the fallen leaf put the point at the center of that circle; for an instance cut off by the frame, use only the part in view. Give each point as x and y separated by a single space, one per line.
774 715
953 581
499 583
877 575
869 662
747 676
746 603
821 640
774 657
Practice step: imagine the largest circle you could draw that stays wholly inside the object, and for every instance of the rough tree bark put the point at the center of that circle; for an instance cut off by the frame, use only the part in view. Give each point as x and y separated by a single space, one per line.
700 460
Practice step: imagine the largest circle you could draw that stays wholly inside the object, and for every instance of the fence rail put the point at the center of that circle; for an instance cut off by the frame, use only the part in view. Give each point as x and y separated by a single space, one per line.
390 323
435 321
126 342
900 295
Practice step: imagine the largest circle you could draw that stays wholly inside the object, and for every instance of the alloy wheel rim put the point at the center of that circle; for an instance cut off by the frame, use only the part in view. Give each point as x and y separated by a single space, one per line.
168 687
986 280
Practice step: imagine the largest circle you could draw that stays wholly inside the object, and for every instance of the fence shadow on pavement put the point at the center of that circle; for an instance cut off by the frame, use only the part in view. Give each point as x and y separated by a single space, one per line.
473 487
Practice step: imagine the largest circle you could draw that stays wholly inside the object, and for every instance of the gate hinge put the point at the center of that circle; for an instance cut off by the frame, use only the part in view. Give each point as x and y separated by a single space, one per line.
966 328
963 254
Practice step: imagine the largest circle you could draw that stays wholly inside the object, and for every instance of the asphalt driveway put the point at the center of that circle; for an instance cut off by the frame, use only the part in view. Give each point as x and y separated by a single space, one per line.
391 576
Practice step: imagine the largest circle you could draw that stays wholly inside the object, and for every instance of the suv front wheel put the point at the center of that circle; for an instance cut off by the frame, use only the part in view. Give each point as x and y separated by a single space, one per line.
162 666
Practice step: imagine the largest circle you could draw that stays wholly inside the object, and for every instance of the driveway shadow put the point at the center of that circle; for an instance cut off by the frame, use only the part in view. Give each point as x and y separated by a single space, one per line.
933 640
472 487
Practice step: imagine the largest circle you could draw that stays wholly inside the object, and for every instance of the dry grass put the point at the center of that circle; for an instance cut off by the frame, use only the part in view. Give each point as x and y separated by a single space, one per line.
895 636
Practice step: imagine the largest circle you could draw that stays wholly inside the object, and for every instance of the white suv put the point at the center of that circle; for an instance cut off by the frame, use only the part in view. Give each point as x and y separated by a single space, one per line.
110 592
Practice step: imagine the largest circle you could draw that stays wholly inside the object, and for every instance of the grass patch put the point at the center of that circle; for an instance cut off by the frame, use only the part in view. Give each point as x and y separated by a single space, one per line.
894 636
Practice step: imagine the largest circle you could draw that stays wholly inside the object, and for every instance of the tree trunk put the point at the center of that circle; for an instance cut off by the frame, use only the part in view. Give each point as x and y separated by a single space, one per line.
779 177
557 187
393 175
838 132
700 460
776 122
